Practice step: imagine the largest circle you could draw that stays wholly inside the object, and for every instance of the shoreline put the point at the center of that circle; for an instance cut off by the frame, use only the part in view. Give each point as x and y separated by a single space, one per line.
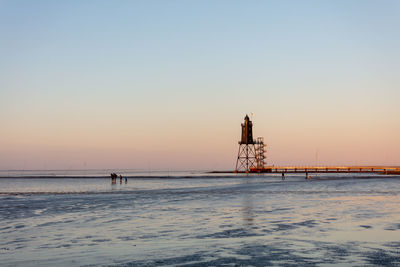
325 176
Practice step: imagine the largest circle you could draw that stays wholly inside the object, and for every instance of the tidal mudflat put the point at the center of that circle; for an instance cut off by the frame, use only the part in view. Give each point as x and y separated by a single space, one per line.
200 221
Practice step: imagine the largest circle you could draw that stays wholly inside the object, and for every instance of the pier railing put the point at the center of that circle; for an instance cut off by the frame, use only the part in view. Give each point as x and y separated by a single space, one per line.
328 169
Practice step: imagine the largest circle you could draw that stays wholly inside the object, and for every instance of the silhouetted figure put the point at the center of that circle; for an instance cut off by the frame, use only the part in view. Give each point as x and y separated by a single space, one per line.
120 179
113 178
126 180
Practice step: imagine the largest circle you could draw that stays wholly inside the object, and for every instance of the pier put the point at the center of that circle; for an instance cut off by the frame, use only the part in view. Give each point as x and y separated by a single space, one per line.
327 169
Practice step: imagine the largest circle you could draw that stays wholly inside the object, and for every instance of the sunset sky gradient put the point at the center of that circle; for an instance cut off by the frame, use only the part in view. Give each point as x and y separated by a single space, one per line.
166 84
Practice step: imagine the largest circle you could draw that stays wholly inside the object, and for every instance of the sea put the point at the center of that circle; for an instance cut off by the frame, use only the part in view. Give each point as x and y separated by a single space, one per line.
197 218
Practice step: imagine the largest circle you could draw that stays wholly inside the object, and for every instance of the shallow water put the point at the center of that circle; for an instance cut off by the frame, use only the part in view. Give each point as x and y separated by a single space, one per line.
201 220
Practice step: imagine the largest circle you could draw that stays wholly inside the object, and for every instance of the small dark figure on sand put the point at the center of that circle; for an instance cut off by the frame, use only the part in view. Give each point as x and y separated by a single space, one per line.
113 178
126 180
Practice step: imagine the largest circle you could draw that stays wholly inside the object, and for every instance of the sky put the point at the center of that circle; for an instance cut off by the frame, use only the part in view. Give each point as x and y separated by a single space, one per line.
166 84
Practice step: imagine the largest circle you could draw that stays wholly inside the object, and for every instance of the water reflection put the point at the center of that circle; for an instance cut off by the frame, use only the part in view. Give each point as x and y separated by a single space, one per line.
247 207
247 211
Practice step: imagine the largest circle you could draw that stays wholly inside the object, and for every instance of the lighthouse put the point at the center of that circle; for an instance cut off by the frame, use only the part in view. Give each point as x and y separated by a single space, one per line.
251 152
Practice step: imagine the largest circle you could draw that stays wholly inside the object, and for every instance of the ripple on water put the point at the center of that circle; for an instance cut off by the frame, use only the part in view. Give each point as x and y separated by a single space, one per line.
48 224
101 240
231 233
380 257
393 227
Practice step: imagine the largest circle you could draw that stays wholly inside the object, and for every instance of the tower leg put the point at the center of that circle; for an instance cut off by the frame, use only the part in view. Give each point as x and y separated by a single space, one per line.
237 161
247 158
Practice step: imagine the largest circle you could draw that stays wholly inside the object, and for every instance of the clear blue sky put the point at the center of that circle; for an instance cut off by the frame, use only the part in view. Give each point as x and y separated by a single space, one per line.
133 84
